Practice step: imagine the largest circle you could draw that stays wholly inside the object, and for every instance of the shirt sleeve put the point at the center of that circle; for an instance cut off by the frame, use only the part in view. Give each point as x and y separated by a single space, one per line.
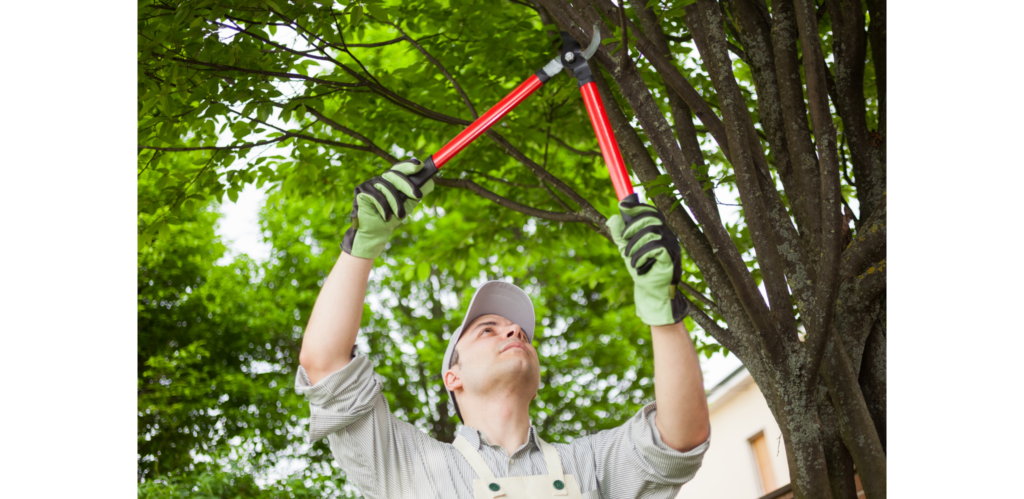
633 461
376 450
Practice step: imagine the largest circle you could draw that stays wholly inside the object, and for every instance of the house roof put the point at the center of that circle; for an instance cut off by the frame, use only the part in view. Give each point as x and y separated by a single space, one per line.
732 384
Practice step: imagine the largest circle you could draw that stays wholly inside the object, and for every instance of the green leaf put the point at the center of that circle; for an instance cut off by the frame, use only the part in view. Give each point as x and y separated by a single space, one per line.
423 271
377 12
663 179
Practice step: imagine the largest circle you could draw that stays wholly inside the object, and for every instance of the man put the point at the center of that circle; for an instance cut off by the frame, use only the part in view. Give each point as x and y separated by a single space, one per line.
492 372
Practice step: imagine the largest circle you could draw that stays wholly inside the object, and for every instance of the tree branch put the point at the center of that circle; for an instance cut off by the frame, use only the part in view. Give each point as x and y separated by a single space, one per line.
794 116
755 34
381 44
725 337
279 74
678 39
868 246
371 147
876 35
849 48
703 299
440 67
547 144
524 4
682 119
573 149
508 203
842 162
215 148
506 182
857 306
587 210
375 85
705 21
820 318
625 33
855 423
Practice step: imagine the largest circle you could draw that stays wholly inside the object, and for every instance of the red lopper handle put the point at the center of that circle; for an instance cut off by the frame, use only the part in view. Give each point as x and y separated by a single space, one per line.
487 120
606 139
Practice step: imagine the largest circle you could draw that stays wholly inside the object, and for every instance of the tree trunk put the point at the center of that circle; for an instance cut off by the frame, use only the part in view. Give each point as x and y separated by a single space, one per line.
820 460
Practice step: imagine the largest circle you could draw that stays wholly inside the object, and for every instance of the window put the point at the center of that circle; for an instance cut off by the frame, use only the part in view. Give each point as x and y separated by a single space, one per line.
759 447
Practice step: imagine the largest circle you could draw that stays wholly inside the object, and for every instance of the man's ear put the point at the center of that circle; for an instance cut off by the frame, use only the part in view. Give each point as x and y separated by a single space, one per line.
453 379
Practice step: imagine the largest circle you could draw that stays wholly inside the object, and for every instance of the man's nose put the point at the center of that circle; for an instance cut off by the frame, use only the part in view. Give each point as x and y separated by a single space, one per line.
517 332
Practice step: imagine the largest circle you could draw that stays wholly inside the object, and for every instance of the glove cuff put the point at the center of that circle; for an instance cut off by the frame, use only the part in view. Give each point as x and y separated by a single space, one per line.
680 307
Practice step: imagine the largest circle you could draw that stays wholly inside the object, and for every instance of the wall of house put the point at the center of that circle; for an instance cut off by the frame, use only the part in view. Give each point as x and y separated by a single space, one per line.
730 469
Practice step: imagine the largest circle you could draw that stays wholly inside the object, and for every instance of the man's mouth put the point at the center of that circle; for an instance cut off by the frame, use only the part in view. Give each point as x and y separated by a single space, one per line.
511 346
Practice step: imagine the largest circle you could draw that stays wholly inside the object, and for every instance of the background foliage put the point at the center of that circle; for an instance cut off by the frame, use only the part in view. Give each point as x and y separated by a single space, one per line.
307 99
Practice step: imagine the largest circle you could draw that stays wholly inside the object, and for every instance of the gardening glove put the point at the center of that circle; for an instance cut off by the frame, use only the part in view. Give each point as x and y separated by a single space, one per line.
381 204
653 258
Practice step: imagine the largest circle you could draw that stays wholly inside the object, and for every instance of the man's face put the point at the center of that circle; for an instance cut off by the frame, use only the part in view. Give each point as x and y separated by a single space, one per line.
496 353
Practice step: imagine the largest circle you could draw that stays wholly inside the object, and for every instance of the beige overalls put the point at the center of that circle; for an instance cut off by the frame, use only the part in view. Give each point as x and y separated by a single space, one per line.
555 484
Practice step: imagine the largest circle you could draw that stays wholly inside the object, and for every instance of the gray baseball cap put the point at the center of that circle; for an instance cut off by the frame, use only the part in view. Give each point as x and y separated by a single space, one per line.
492 297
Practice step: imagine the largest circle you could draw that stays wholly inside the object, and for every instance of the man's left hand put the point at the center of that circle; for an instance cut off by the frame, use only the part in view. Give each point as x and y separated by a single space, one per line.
653 258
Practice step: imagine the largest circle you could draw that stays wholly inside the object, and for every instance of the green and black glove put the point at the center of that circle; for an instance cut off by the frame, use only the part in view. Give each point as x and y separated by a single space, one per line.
653 258
381 204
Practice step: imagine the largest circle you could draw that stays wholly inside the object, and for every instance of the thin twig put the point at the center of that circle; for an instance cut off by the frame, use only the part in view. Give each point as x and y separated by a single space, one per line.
842 161
381 44
375 149
214 148
523 4
625 33
697 294
507 182
573 149
148 163
279 74
508 203
547 144
723 335
846 176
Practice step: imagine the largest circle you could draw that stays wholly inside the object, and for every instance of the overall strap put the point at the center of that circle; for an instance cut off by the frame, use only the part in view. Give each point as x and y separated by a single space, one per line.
475 461
555 474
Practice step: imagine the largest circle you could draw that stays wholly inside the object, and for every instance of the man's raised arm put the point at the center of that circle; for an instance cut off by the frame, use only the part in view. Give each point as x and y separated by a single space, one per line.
652 256
380 205
334 323
682 417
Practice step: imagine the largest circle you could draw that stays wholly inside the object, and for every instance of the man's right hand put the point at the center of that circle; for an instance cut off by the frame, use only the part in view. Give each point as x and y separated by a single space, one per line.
381 203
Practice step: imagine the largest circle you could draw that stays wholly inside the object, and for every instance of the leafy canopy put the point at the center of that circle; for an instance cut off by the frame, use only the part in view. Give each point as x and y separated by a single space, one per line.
307 99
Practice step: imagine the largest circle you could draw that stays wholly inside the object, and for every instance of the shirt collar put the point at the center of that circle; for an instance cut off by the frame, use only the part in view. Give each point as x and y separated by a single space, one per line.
477 439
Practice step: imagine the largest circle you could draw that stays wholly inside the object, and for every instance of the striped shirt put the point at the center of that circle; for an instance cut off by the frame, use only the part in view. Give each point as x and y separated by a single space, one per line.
385 457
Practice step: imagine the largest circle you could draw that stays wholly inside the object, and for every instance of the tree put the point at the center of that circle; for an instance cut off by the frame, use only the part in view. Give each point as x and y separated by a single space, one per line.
347 89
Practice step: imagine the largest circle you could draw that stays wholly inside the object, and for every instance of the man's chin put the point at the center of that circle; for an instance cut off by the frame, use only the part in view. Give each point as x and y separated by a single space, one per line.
512 364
